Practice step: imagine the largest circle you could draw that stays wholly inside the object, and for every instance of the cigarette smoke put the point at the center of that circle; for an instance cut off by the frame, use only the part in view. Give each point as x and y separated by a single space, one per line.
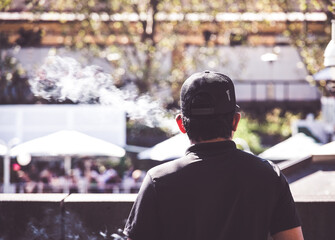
61 78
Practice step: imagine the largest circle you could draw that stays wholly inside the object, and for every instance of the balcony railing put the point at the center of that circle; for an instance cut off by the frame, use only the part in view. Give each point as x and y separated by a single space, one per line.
97 216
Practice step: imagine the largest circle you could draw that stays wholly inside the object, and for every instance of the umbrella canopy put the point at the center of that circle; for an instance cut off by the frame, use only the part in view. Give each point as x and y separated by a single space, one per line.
3 149
67 143
325 152
169 149
327 73
297 146
175 147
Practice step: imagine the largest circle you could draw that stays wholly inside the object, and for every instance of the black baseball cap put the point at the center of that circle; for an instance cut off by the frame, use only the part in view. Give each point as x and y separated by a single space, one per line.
207 93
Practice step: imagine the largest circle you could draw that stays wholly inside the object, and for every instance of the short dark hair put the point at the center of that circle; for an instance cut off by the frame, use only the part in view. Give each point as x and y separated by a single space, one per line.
207 128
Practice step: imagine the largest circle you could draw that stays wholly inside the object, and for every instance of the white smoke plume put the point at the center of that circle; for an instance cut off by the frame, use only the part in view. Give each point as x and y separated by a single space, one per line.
61 78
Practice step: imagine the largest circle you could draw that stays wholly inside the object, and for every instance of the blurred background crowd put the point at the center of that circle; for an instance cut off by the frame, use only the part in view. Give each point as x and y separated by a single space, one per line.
86 176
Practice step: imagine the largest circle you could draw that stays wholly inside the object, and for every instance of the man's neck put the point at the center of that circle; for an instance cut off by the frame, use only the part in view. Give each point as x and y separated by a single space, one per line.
211 140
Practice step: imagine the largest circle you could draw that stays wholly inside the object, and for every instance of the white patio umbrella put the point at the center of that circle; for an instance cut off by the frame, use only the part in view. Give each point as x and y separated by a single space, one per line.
172 148
3 150
67 143
327 73
175 147
325 152
297 146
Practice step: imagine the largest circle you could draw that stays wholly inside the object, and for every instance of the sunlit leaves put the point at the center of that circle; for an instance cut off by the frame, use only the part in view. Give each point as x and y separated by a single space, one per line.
331 8
275 123
103 25
4 4
316 4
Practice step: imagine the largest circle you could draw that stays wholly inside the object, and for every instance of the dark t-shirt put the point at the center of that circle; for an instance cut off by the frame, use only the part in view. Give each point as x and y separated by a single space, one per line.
215 192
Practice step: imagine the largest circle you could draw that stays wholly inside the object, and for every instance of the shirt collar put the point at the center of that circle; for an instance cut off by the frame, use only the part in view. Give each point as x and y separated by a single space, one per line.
211 148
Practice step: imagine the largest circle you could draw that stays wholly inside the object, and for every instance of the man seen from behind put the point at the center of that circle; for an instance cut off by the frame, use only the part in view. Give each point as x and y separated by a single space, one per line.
216 191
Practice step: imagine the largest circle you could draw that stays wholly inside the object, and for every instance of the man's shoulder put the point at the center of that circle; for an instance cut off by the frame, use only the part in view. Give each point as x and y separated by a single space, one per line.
170 168
254 162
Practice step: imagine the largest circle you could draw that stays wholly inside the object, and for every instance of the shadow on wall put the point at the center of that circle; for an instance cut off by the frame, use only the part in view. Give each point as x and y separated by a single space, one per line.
61 216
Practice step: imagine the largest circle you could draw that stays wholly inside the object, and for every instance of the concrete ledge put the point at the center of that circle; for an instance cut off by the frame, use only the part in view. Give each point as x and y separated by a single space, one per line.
97 216
314 198
317 218
31 216
89 216
35 197
290 167
100 197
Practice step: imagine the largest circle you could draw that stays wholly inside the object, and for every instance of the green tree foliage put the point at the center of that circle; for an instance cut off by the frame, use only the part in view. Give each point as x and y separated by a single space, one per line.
131 44
135 45
14 86
4 4
130 36
260 132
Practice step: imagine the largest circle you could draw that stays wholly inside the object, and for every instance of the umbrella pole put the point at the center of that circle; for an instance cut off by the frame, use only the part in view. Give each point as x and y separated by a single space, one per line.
67 168
6 164
67 165
6 168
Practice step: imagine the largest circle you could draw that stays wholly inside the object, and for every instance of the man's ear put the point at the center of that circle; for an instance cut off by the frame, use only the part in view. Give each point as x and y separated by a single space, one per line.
180 123
236 120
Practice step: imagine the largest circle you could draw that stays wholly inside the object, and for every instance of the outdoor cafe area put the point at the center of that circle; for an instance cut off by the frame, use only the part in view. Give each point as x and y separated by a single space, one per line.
56 193
88 175
62 212
68 161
